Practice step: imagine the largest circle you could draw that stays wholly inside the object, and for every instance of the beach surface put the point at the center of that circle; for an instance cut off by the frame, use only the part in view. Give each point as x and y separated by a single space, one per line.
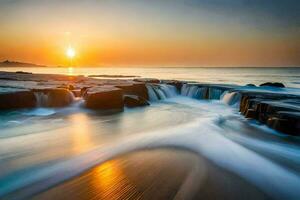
176 174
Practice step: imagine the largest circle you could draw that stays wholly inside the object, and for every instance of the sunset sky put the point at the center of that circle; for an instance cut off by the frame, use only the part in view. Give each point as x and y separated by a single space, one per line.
152 32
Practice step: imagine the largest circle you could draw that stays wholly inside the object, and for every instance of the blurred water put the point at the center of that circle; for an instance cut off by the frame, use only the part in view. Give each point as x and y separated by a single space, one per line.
61 143
57 144
289 76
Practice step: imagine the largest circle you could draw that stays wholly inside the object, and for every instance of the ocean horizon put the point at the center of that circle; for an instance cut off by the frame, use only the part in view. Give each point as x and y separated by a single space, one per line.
290 76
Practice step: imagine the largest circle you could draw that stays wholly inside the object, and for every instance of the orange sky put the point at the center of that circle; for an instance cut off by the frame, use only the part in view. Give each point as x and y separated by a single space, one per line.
120 33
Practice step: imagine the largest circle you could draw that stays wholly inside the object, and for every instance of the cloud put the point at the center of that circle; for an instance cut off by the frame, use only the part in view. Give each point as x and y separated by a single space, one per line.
277 12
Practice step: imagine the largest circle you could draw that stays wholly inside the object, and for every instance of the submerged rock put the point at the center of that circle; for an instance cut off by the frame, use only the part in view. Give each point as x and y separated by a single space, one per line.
135 101
104 98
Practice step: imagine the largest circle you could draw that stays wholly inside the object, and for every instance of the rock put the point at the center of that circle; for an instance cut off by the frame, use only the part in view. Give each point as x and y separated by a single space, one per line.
251 114
177 84
286 122
66 86
276 84
71 87
279 111
17 99
77 92
250 85
135 101
56 97
83 91
147 80
21 72
105 98
135 88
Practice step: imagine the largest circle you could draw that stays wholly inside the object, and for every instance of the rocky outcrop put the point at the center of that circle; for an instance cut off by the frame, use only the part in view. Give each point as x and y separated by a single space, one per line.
17 99
279 111
56 97
270 104
105 98
286 122
134 88
76 92
177 84
147 80
276 84
135 101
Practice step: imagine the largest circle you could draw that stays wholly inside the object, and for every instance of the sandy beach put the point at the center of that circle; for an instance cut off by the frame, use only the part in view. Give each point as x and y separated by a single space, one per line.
175 174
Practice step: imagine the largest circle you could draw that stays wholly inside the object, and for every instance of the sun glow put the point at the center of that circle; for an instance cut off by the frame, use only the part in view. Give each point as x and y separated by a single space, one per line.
71 53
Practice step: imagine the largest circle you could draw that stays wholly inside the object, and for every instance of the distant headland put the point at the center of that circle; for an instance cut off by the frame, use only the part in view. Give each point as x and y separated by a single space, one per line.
8 63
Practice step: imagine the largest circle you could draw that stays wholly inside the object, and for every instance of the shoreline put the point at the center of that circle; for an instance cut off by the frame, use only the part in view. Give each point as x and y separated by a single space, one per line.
270 103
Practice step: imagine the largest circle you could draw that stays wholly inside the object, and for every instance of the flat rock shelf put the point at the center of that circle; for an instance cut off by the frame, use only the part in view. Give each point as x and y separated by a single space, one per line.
271 103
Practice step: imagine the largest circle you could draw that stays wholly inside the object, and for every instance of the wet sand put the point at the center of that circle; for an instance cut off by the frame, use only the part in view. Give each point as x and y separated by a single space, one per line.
155 174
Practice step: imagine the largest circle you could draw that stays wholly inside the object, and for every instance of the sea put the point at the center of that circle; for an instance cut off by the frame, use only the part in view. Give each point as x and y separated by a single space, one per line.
43 147
290 76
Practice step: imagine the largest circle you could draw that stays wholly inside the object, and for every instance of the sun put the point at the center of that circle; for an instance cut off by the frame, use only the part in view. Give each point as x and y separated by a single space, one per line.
71 53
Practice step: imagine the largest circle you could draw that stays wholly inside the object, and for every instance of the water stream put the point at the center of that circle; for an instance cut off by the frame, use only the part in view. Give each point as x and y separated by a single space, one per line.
36 144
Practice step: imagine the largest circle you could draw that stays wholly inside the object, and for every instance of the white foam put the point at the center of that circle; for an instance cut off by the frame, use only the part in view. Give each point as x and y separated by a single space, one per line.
40 112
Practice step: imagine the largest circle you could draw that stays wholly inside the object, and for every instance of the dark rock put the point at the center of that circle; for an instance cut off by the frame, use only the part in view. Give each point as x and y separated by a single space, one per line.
147 80
276 84
17 99
136 88
71 87
76 93
56 97
66 86
21 72
83 91
177 84
251 85
286 122
250 113
135 101
104 98
279 111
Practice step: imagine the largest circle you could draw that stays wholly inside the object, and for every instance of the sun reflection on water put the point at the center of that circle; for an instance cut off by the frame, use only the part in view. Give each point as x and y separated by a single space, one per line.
70 71
81 136
110 181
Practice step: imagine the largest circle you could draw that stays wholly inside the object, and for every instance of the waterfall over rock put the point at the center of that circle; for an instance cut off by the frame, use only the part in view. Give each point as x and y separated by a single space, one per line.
161 91
194 91
231 98
197 91
201 91
215 93
41 99
53 97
